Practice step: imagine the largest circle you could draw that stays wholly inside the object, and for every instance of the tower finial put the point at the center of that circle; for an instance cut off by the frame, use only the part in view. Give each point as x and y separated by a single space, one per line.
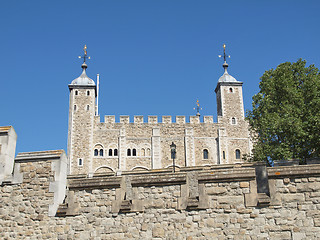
225 64
198 108
85 57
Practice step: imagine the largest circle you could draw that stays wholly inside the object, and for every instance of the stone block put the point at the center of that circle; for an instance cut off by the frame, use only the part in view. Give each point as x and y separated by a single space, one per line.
208 119
194 119
153 119
298 236
180 119
216 190
109 119
138 119
244 184
124 119
166 119
294 197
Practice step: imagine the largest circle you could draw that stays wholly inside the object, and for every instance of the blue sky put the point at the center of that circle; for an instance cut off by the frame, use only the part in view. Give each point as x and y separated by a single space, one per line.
153 57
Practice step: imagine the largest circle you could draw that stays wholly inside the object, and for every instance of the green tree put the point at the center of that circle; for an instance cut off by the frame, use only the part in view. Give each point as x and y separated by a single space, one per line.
285 116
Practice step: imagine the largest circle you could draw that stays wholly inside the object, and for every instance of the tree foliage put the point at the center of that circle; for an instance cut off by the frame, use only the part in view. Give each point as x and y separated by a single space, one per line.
285 116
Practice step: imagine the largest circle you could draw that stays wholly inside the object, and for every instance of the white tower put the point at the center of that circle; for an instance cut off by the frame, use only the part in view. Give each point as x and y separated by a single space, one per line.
82 108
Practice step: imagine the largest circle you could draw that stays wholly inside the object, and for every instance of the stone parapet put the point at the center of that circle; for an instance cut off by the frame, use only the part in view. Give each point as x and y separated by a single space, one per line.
110 119
203 202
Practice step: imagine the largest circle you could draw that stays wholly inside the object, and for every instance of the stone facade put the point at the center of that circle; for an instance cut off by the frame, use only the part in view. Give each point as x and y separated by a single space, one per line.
217 202
110 146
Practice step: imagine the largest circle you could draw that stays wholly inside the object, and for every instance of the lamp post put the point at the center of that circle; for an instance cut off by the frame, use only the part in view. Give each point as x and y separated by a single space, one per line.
173 154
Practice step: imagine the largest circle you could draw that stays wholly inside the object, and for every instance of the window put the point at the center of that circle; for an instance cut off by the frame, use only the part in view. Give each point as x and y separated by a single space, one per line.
75 107
110 152
96 152
76 92
205 154
129 152
148 152
88 107
238 154
224 155
230 90
80 162
143 152
233 121
101 153
134 152
115 152
88 93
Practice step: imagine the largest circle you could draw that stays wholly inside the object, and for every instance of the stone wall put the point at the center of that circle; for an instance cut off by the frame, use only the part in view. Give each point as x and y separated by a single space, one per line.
216 202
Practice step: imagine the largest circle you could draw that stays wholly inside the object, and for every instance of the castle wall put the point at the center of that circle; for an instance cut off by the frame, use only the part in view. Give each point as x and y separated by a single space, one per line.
206 203
151 142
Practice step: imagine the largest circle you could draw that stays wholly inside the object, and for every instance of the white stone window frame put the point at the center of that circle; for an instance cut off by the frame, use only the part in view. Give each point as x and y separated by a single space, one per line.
99 146
131 147
235 121
203 150
112 146
235 154
145 146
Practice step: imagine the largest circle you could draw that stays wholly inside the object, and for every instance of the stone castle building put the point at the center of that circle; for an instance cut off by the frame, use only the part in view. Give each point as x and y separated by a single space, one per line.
96 147
104 197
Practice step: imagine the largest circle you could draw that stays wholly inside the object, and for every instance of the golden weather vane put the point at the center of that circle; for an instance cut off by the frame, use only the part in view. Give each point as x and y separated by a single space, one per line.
198 108
224 54
85 57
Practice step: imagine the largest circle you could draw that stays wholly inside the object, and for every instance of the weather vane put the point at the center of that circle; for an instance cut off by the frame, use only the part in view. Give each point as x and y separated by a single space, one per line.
198 108
224 54
85 57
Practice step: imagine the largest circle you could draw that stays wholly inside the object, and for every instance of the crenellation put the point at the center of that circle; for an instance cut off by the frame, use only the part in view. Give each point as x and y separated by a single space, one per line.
96 120
208 119
180 119
153 119
124 119
138 119
194 119
166 119
109 119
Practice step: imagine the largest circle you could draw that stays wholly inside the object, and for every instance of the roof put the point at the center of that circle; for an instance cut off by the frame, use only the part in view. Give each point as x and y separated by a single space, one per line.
83 79
226 77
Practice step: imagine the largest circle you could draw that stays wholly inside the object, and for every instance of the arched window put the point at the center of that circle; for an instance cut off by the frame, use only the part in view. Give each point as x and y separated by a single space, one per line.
143 152
88 93
205 154
110 152
230 90
148 151
88 107
134 152
96 152
238 154
129 152
115 152
233 120
80 162
224 155
101 153
76 92
75 107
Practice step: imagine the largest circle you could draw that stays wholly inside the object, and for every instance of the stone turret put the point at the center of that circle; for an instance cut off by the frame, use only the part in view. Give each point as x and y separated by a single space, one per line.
83 94
233 134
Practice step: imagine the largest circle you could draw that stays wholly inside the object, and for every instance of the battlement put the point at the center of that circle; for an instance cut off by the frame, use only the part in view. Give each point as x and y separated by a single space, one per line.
110 119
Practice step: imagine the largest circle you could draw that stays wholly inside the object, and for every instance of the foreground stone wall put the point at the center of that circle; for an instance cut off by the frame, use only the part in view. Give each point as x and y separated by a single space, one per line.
217 202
